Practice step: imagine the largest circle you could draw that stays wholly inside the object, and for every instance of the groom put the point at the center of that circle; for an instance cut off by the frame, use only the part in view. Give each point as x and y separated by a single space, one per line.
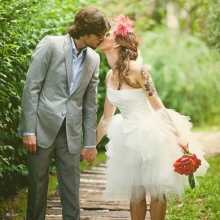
58 108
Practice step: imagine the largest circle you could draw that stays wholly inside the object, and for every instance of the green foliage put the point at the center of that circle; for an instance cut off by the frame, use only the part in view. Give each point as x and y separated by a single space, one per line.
14 53
213 25
186 74
192 16
11 170
146 14
200 18
14 207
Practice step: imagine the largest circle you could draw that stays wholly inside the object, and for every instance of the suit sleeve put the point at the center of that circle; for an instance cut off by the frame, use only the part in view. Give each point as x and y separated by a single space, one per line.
35 77
90 109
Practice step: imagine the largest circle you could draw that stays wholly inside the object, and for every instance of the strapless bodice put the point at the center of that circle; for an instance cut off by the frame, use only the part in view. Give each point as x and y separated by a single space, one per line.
132 103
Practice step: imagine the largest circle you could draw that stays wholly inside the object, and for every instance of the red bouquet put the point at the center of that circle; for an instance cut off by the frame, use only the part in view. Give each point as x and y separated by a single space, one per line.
187 165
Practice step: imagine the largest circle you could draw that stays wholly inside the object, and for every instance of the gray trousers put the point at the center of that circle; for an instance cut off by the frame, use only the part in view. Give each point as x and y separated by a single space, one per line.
68 172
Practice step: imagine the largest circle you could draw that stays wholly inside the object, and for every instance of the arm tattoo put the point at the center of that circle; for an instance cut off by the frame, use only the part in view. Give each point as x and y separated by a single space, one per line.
149 85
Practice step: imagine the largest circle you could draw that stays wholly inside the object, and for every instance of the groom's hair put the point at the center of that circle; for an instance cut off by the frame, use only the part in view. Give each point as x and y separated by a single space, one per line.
88 21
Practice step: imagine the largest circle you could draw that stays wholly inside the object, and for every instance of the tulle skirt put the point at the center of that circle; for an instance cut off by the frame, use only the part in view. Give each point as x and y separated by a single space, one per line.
141 154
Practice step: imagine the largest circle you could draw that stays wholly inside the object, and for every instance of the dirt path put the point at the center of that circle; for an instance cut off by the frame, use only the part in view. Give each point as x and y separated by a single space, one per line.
210 141
93 207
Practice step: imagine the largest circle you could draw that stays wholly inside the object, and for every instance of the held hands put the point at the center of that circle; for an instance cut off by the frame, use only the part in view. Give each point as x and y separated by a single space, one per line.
89 154
29 143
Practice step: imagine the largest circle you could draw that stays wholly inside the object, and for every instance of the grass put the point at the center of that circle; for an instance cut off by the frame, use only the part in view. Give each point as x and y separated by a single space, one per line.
201 203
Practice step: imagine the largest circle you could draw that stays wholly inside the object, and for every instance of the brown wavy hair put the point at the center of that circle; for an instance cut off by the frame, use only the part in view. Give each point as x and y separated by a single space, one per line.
127 52
89 20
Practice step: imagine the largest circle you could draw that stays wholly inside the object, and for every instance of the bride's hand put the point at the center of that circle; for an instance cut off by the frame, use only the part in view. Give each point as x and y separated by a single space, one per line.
183 143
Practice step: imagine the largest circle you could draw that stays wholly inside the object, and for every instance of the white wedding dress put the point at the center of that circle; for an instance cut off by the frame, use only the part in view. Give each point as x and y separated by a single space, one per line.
142 148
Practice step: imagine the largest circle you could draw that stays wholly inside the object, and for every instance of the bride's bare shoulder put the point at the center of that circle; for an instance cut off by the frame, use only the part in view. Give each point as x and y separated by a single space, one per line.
135 68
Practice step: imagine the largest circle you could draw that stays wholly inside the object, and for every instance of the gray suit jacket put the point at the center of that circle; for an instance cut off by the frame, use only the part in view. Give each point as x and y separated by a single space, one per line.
46 99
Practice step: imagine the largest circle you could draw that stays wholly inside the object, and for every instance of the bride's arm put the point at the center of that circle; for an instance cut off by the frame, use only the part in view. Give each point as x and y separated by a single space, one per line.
146 82
109 111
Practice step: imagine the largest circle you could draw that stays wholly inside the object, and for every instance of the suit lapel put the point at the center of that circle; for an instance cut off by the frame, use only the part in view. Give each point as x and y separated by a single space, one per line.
68 50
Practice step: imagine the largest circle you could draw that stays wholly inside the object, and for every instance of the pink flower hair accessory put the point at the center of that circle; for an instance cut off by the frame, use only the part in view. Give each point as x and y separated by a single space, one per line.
123 25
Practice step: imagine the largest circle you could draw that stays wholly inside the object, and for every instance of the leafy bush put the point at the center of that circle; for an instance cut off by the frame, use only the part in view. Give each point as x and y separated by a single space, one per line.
213 22
186 74
15 51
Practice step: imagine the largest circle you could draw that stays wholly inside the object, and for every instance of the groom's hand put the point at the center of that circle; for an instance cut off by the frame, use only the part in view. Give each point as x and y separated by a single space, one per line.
29 143
89 154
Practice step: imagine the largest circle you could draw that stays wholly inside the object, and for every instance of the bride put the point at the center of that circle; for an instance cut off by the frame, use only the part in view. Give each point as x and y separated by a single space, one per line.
145 139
